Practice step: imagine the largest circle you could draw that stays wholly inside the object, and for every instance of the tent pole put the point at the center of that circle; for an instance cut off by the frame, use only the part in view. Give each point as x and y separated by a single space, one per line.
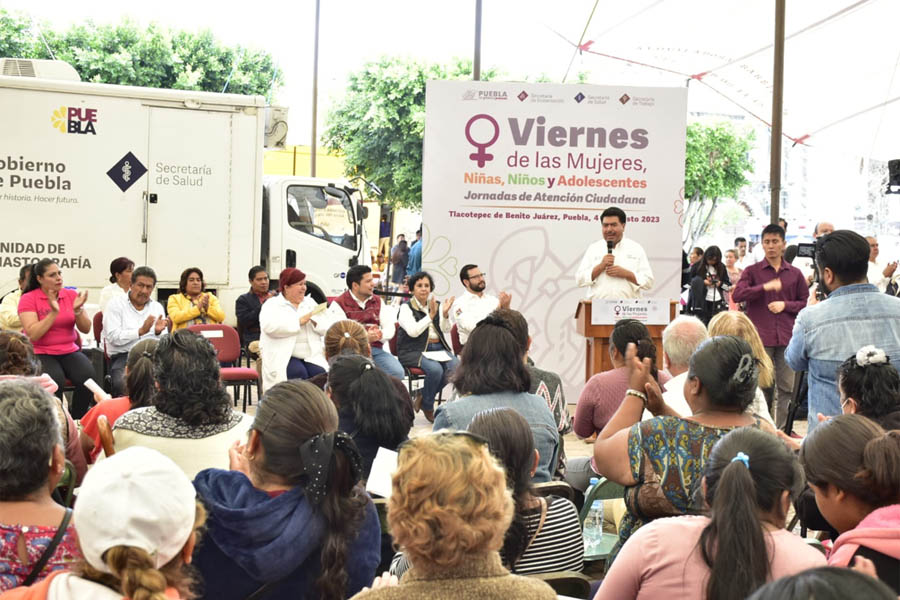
777 109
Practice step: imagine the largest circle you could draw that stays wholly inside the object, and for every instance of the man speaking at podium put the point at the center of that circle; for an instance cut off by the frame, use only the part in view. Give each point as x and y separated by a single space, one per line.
614 267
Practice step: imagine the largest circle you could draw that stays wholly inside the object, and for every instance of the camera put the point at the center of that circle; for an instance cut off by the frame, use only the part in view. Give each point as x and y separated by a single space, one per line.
807 251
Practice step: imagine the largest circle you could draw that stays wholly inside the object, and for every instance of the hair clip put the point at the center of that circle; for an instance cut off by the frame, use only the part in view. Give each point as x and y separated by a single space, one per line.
870 355
741 457
347 334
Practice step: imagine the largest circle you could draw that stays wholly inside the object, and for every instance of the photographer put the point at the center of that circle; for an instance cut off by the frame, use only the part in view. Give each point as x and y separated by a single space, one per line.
856 314
709 282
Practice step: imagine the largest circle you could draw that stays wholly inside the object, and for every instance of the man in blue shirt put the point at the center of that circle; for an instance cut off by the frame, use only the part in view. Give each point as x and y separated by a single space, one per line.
415 255
855 314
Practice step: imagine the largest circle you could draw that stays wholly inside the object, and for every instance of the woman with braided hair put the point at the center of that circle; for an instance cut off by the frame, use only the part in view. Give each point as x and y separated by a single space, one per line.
136 518
290 519
661 460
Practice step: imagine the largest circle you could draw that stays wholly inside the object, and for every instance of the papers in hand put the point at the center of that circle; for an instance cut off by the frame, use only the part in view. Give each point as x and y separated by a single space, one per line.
319 308
438 355
383 467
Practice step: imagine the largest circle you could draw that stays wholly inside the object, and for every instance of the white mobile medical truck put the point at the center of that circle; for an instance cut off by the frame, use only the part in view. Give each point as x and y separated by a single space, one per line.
171 179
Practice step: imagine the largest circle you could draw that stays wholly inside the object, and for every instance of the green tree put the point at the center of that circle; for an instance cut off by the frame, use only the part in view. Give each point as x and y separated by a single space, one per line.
716 164
152 56
379 124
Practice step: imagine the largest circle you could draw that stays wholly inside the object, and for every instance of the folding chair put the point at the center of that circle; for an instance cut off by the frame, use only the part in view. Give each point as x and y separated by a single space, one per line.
225 340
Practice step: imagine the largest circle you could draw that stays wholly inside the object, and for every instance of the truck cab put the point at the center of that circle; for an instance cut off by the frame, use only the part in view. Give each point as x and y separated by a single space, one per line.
316 226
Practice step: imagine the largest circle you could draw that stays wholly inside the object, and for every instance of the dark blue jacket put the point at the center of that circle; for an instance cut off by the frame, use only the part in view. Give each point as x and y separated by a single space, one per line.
252 539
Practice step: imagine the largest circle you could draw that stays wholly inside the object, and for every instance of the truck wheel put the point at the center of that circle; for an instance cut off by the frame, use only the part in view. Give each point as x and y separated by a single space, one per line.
316 293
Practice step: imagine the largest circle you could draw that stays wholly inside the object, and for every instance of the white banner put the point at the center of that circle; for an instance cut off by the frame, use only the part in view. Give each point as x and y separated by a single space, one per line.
515 176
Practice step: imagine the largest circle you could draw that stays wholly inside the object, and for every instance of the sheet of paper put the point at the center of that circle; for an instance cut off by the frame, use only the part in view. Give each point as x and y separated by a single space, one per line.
212 333
438 355
383 467
319 308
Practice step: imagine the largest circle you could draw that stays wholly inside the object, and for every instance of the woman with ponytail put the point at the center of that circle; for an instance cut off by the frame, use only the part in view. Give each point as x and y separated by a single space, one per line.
139 387
749 481
369 409
660 461
853 467
137 519
290 519
869 385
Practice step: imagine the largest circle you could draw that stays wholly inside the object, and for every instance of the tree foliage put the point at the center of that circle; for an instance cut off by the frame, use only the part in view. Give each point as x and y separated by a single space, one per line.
379 124
153 56
716 164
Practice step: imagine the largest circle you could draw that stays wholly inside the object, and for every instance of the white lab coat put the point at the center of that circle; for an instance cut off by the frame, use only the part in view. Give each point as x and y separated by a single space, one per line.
279 324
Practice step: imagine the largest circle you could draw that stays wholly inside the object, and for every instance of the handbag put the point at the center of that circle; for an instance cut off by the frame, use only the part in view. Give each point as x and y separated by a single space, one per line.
49 550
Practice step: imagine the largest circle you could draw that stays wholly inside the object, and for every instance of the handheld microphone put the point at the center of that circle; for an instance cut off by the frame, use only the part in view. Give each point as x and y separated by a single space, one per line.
609 247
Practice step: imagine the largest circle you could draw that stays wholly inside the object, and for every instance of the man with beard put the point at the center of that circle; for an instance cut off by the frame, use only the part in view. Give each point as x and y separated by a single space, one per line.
614 267
474 304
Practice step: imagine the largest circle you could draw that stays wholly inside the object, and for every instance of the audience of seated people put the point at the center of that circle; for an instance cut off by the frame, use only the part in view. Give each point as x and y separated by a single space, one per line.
191 420
602 394
17 362
748 483
290 341
140 385
369 408
449 512
661 460
193 305
492 374
31 464
289 516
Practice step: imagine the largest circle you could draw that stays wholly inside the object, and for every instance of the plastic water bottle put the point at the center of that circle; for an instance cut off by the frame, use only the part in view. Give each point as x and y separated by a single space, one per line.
593 528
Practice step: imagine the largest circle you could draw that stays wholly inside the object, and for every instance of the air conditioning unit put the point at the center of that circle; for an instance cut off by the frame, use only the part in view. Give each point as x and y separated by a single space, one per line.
39 69
276 126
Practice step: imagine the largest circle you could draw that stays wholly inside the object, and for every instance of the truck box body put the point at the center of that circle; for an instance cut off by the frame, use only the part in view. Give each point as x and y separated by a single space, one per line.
171 179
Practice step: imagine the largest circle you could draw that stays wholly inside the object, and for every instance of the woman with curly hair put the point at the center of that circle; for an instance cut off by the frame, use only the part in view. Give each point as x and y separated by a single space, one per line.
290 519
137 519
449 510
191 420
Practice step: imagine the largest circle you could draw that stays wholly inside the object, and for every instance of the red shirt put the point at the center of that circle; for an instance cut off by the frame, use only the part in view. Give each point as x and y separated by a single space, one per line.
774 329
61 338
113 409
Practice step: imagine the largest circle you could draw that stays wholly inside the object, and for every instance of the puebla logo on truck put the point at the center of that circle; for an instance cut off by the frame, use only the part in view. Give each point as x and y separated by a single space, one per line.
72 119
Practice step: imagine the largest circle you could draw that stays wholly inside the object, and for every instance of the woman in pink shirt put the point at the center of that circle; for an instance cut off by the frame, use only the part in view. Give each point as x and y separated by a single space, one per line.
749 481
49 314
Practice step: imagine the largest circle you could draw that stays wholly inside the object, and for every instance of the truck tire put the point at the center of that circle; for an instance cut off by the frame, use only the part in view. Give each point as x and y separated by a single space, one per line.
317 294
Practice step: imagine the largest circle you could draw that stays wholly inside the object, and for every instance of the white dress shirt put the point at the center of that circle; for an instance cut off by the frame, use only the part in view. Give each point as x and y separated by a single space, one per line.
121 322
876 276
469 309
387 317
629 255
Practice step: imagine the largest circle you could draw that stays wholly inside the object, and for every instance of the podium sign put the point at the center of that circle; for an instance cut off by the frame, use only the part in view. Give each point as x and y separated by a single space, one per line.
649 311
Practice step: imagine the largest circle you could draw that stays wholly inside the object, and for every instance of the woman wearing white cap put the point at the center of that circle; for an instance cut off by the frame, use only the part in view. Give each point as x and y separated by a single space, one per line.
136 519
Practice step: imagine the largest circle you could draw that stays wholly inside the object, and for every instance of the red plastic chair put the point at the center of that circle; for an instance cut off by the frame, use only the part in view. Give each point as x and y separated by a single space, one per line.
225 340
97 328
412 373
454 340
